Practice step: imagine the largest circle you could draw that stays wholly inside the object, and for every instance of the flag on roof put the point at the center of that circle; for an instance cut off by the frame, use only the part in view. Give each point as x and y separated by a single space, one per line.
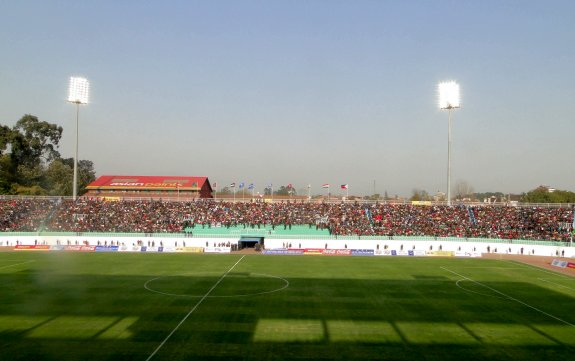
325 186
251 186
233 185
344 186
241 185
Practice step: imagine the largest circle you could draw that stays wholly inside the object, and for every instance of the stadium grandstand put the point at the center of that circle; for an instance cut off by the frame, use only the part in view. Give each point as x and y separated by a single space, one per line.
352 219
154 187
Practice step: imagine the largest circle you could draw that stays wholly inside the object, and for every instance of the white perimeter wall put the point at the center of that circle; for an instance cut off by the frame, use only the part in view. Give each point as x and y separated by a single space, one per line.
423 245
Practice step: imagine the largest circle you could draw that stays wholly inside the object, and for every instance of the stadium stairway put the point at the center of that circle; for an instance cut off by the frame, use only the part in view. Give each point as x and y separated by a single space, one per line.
472 218
369 216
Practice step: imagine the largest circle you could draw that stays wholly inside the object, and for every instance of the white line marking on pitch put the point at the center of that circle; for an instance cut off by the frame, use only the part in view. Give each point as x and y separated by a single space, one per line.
17 264
509 297
526 265
497 268
194 308
556 284
479 293
286 285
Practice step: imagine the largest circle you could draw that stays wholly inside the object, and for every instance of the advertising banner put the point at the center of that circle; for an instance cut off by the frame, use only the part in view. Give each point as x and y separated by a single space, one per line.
79 248
124 248
154 249
106 248
467 254
217 249
383 252
31 248
362 252
440 253
283 251
313 251
336 252
190 249
393 252
132 248
559 263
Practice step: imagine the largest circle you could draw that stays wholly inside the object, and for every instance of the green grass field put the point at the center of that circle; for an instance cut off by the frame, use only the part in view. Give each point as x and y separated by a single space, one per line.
123 306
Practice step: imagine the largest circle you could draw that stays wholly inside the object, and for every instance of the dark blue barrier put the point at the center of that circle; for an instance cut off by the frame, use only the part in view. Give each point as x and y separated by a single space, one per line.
106 248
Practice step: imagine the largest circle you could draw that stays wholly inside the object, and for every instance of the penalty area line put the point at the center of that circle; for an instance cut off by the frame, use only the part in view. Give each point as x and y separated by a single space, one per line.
509 297
193 309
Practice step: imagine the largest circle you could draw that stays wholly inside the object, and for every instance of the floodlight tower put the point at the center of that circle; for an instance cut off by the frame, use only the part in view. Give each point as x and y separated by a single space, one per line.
78 94
449 99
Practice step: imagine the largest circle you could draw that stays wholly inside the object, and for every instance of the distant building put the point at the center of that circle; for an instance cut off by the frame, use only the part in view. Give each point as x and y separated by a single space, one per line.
156 187
545 188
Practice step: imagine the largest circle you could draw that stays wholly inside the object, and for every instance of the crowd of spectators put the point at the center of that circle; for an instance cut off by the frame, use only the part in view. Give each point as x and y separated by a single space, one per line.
24 215
359 219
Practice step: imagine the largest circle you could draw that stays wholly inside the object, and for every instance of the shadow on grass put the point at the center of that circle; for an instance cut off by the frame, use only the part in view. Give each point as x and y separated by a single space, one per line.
52 316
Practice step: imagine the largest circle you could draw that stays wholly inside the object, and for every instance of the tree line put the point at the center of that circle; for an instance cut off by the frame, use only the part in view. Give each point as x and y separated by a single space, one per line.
463 191
30 163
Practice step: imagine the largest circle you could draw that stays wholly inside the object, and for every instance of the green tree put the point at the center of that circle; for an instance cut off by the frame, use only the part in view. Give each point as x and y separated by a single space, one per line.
225 190
545 195
59 177
30 163
373 197
285 191
419 195
498 196
463 189
86 175
35 141
5 138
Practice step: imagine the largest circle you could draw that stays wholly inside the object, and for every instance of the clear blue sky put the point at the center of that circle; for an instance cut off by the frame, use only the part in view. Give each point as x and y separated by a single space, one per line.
303 92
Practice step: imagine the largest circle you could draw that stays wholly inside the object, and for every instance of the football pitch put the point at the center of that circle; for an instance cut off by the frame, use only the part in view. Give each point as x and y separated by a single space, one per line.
132 306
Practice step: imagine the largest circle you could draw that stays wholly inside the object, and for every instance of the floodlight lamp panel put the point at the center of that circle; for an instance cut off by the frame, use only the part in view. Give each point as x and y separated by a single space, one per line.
79 90
449 97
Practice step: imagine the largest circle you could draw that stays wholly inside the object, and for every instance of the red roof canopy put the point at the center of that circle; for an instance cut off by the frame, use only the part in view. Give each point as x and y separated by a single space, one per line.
148 182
